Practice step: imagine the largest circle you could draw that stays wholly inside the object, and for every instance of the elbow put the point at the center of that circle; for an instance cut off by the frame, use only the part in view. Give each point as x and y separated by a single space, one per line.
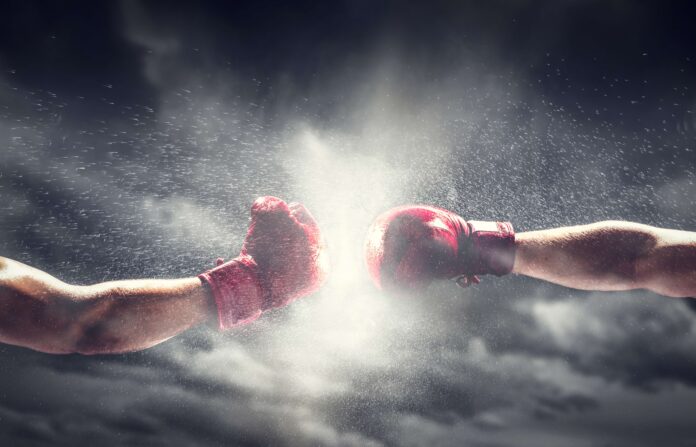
79 337
94 338
63 326
668 273
86 330
88 346
665 267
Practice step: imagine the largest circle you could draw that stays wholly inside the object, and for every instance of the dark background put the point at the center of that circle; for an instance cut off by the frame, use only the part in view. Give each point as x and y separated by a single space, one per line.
134 136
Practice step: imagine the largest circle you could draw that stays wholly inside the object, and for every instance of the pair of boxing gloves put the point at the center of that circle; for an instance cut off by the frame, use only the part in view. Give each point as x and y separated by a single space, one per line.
284 256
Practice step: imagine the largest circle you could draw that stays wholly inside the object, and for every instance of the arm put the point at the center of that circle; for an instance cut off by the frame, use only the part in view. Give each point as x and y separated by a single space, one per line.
611 255
40 312
283 258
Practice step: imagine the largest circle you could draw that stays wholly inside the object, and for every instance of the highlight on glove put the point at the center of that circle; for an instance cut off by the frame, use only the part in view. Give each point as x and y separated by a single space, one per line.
410 246
283 258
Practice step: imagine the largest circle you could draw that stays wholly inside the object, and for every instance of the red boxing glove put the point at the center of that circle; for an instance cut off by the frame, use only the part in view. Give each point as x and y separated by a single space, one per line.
409 246
283 258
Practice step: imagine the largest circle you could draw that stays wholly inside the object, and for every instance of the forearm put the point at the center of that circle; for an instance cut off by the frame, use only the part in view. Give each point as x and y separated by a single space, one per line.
598 256
611 255
130 315
40 312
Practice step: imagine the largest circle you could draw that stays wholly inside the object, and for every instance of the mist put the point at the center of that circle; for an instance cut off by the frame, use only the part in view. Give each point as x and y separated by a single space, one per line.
143 161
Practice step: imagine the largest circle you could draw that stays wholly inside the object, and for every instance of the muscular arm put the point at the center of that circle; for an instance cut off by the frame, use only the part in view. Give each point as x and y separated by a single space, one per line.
40 312
611 255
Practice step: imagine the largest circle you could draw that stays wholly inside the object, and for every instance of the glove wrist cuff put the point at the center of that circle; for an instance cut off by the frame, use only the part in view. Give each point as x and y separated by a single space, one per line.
237 291
492 245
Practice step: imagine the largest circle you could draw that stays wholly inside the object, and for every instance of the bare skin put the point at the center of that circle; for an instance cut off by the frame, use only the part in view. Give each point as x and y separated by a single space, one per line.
40 312
611 255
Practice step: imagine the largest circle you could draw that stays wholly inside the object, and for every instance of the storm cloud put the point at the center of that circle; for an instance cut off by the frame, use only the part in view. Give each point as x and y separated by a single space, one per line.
136 135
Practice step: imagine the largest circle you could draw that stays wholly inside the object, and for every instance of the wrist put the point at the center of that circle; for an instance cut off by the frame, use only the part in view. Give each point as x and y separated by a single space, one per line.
488 248
208 306
521 265
236 291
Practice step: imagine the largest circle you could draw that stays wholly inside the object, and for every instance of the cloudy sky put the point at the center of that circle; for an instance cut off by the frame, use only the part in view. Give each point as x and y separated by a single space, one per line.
135 135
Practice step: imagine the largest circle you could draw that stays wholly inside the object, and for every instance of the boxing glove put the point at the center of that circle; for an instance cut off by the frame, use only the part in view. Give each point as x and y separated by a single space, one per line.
410 246
283 258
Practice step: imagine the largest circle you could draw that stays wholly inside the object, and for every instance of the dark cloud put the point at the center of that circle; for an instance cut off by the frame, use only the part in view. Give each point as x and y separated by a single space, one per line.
137 134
